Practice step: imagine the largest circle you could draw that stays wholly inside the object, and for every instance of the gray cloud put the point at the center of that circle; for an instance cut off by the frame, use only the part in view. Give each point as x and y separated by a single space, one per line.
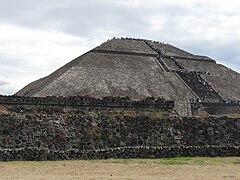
3 81
84 17
202 27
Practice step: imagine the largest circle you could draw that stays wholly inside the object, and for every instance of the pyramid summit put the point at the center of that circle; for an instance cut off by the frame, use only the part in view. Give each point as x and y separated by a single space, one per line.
140 68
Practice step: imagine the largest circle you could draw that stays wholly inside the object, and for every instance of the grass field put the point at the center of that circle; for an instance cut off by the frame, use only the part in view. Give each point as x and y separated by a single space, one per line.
172 168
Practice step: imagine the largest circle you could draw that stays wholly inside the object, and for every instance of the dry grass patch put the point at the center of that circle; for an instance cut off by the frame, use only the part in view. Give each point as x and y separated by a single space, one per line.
167 168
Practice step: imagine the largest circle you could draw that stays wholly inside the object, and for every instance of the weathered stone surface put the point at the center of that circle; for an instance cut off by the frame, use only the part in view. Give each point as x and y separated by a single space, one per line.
170 50
140 68
124 45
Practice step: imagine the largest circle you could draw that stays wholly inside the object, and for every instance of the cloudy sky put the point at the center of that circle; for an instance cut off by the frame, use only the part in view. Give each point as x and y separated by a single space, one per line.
39 36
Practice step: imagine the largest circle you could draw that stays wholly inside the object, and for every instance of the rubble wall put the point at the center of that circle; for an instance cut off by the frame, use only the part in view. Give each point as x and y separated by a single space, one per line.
114 133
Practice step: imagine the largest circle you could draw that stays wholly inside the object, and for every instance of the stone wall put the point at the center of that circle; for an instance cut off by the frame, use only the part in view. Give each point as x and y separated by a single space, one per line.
116 133
224 108
87 101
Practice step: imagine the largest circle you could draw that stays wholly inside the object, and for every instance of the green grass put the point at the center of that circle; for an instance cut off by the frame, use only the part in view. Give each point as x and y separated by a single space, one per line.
155 114
233 115
176 161
199 160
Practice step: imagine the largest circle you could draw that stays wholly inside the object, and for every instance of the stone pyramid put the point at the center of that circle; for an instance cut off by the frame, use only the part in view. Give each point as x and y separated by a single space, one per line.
140 68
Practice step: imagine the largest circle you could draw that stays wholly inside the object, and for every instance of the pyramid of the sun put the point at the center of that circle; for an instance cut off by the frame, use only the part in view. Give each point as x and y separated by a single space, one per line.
141 68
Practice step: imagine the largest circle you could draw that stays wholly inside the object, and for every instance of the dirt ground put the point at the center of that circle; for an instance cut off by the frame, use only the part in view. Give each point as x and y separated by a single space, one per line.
172 168
3 110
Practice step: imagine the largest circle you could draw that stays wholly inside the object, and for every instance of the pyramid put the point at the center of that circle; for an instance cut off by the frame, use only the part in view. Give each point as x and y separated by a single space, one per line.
140 68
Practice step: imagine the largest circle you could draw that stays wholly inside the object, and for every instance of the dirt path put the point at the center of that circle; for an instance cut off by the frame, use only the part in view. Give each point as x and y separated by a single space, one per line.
176 168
